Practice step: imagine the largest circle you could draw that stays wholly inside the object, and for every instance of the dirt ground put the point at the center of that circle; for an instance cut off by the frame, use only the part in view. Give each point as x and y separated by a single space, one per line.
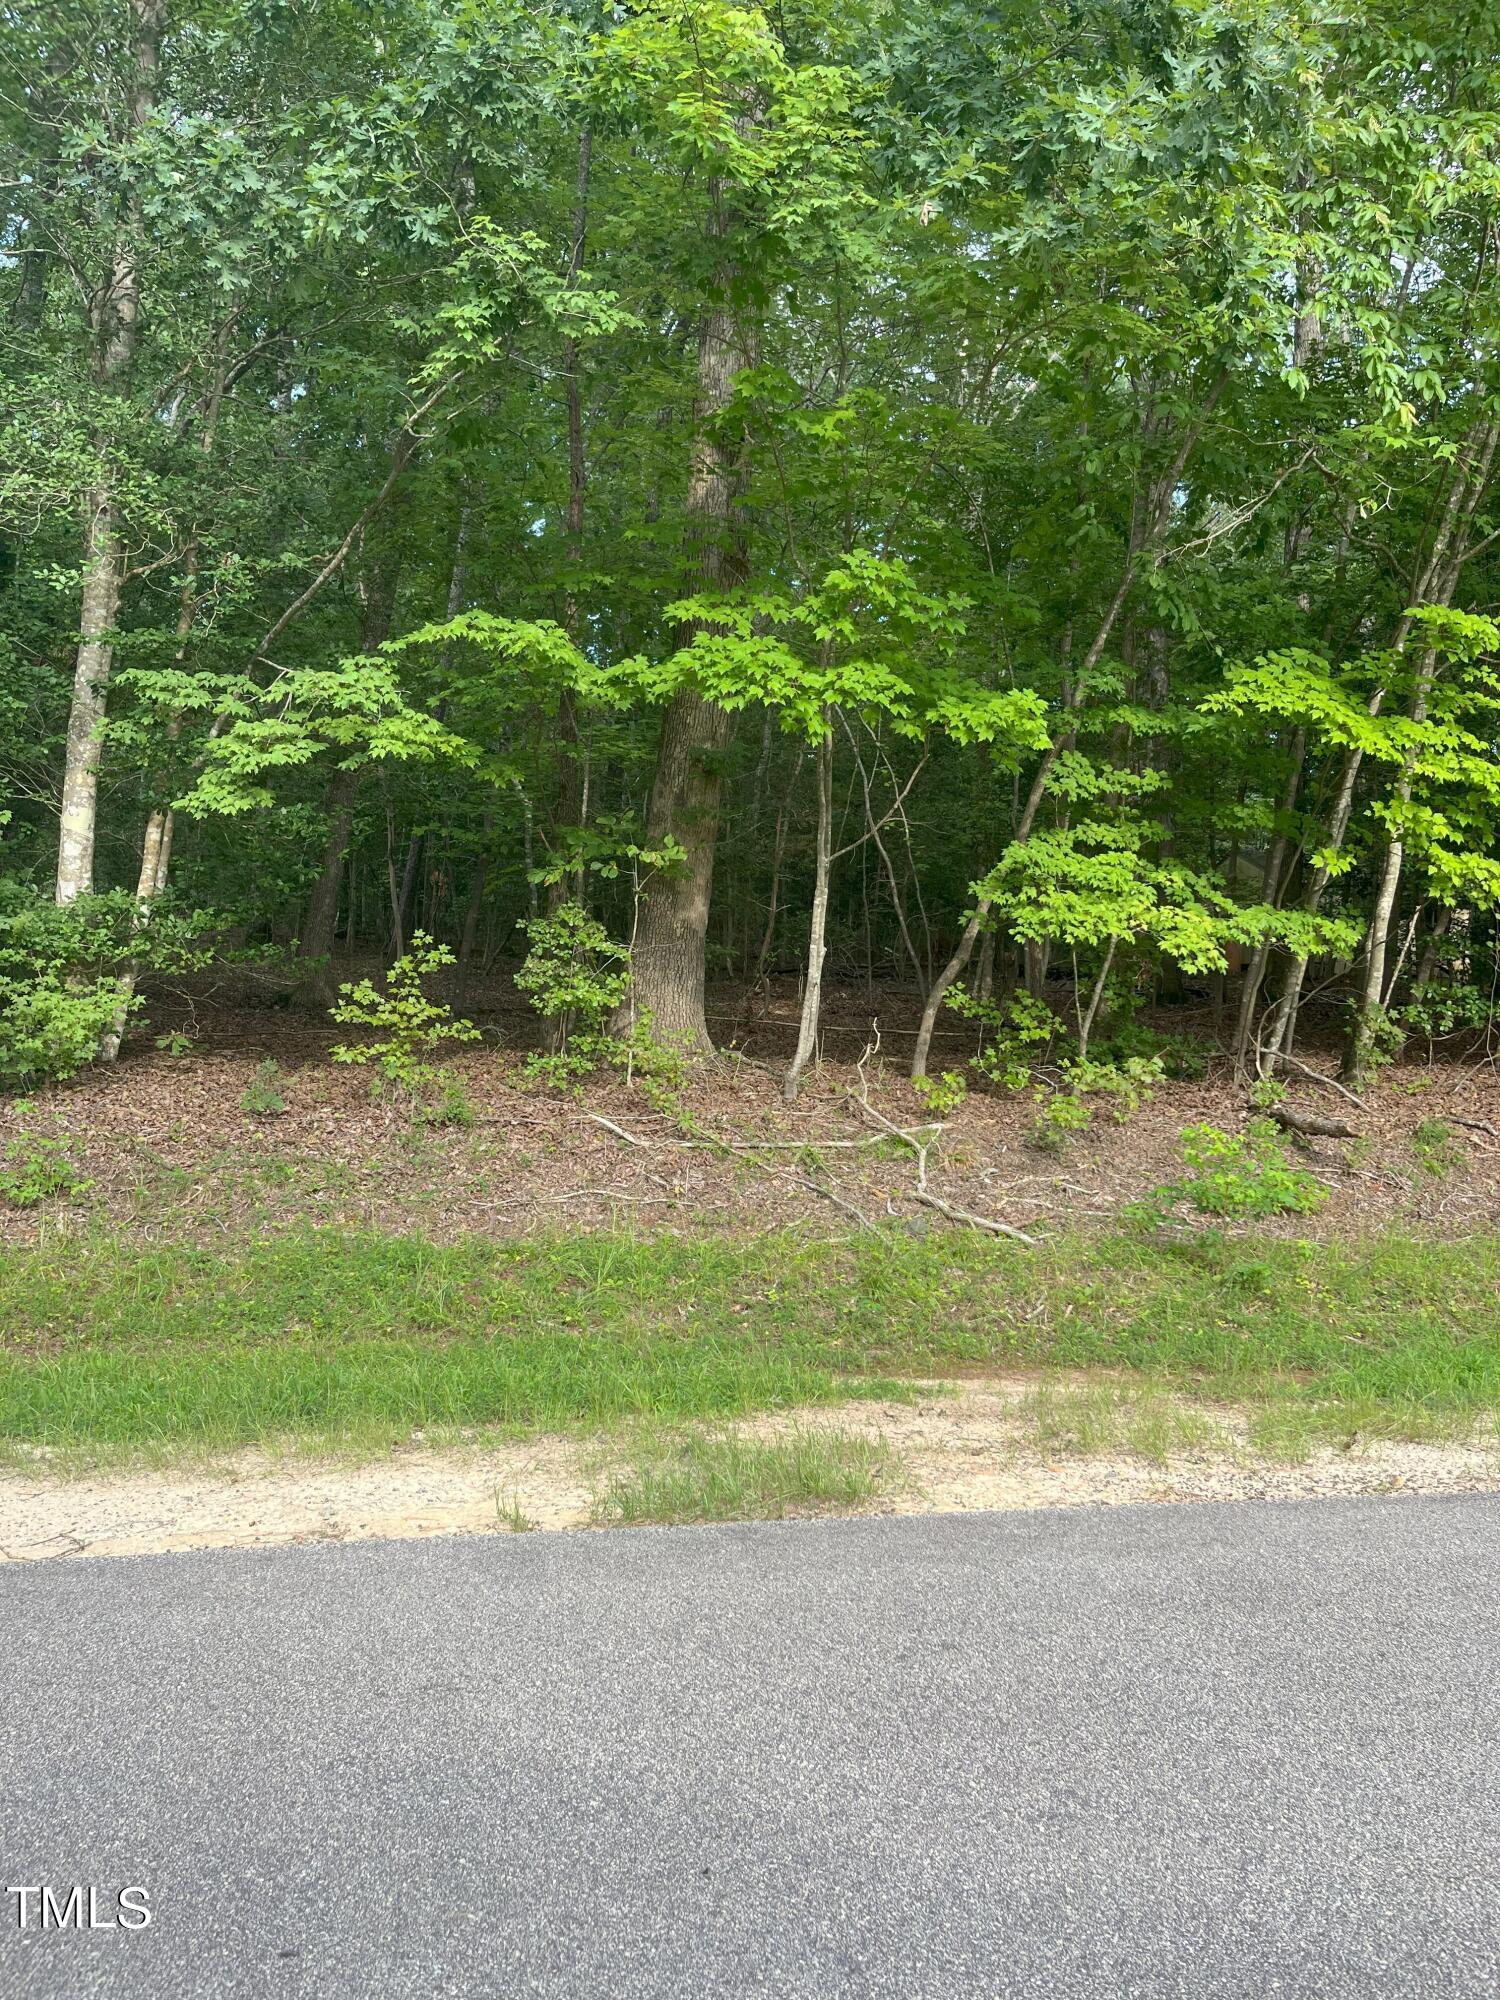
171 1152
971 1447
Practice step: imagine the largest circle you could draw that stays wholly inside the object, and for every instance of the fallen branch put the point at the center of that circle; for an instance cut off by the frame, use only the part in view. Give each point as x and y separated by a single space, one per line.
838 1201
715 1145
1309 1124
930 1200
922 1193
619 1131
1474 1124
1317 1076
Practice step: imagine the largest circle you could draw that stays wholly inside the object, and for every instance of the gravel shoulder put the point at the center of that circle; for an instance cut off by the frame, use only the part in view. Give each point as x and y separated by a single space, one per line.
975 1446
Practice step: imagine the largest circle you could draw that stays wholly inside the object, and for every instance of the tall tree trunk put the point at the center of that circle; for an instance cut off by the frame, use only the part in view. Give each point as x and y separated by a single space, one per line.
1270 891
116 331
672 929
569 803
817 939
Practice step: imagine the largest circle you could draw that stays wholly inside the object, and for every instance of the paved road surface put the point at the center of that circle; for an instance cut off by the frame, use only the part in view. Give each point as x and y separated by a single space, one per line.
1221 1750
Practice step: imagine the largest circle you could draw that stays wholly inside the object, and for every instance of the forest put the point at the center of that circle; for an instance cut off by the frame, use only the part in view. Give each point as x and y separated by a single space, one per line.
779 528
711 707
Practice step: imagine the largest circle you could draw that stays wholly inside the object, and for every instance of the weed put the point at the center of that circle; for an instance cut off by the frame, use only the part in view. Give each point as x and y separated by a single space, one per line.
1438 1149
1115 1417
261 1097
451 1106
512 1515
35 1170
697 1477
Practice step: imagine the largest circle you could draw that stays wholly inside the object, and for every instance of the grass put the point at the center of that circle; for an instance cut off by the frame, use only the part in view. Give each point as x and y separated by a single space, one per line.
696 1477
1115 1416
354 1340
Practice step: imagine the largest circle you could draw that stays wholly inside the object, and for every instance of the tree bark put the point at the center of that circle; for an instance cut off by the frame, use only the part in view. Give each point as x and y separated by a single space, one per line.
817 939
116 330
568 809
667 959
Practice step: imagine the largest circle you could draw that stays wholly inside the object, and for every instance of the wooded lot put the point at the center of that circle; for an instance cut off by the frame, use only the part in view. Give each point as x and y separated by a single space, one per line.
993 501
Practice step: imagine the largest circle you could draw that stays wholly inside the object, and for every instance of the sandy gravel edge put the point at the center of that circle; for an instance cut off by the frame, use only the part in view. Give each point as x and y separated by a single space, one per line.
962 1451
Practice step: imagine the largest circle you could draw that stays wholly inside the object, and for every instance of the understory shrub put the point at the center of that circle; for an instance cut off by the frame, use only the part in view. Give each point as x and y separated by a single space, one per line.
1238 1176
408 1025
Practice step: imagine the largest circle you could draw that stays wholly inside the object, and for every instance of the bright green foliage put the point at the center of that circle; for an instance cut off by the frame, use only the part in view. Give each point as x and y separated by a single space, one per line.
576 976
1127 1084
59 975
408 1025
943 1094
1020 1035
50 1027
1239 1176
1106 477
34 1170
1062 1116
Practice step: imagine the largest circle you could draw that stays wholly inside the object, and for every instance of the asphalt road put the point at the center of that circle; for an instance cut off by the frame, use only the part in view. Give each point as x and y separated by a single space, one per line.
1220 1750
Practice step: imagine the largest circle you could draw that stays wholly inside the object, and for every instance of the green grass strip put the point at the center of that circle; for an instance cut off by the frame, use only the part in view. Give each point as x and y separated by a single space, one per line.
334 1336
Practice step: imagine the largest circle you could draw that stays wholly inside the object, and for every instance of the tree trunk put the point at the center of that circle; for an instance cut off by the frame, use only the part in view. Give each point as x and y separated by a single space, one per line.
817 939
569 804
672 928
1270 890
116 331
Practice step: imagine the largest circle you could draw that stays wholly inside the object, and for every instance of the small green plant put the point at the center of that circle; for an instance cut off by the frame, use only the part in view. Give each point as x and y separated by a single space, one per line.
261 1097
36 1170
1266 1093
410 1026
1128 1083
175 1043
1181 1057
513 1514
1021 1033
943 1094
1438 1149
1238 1176
1062 1116
576 975
451 1106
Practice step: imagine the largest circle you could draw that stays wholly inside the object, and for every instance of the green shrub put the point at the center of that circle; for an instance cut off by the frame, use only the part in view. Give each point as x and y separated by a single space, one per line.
36 1170
1238 1176
1062 1116
943 1094
50 1027
451 1106
1129 1082
261 1097
576 976
1021 1033
408 1024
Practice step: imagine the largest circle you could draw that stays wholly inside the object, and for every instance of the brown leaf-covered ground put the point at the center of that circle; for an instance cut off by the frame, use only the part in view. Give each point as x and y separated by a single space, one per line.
170 1151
